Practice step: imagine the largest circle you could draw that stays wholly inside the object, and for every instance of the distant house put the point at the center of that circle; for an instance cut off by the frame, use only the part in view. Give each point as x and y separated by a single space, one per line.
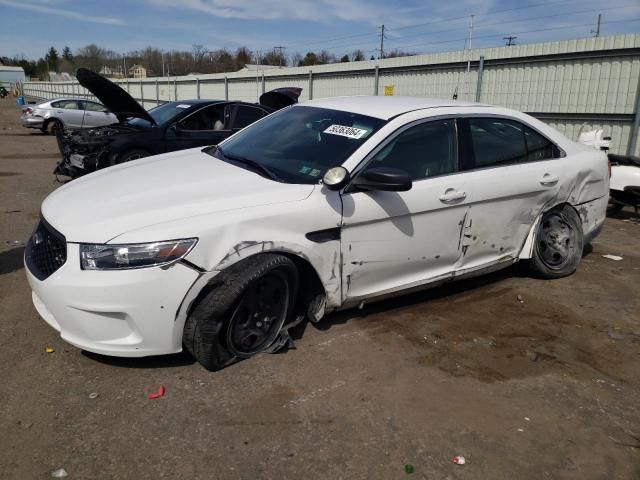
138 71
10 75
111 72
257 68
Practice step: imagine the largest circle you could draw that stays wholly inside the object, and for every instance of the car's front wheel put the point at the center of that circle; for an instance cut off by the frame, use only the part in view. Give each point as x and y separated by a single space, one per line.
133 154
559 243
242 313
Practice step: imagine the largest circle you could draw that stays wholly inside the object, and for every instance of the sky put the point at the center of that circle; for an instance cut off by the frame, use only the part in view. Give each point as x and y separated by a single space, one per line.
30 27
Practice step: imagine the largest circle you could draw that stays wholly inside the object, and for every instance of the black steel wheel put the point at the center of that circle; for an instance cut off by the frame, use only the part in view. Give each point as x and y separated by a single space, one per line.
243 311
260 314
134 154
559 243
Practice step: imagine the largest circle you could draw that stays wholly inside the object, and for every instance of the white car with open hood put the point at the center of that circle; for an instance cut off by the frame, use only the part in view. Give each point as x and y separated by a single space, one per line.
317 207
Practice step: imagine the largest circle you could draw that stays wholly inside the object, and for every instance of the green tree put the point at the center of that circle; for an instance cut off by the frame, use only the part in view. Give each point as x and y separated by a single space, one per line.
52 59
309 59
67 55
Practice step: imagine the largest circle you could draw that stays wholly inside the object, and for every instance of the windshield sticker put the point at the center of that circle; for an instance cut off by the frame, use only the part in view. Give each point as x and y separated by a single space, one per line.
305 169
314 173
343 131
183 105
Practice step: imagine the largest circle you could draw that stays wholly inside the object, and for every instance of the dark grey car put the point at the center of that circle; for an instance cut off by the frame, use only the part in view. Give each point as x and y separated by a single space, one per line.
66 113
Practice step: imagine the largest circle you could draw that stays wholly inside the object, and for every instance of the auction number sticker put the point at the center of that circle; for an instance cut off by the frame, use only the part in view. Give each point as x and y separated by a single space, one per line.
183 105
343 131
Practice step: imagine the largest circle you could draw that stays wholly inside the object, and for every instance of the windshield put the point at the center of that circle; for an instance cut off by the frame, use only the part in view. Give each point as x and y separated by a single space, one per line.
162 114
299 144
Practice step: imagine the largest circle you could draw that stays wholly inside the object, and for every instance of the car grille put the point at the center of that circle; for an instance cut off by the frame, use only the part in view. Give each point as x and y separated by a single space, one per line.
46 251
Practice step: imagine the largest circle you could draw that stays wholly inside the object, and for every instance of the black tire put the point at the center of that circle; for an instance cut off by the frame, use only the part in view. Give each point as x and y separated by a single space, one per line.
213 326
559 243
133 154
614 208
53 126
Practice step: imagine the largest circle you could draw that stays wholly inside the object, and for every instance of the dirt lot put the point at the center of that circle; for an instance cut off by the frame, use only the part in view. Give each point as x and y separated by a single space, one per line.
527 379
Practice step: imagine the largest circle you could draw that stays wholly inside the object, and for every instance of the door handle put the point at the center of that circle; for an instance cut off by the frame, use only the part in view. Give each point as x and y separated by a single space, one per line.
87 114
452 195
549 179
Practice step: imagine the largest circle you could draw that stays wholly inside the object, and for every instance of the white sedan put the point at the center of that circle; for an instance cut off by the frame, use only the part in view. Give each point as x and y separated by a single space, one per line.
318 207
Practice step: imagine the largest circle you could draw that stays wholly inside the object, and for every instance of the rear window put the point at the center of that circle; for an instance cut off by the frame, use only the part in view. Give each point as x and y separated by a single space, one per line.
497 142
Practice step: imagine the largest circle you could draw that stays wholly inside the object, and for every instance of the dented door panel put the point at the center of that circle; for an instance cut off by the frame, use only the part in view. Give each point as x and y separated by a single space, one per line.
506 202
396 240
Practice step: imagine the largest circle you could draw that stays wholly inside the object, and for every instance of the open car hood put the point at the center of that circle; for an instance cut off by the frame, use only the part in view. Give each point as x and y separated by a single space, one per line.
117 100
280 97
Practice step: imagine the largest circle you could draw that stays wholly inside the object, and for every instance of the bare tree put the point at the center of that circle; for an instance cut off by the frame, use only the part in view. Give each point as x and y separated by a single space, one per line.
198 51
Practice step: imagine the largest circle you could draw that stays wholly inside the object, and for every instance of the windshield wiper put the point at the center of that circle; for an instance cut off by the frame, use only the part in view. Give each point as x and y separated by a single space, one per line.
252 164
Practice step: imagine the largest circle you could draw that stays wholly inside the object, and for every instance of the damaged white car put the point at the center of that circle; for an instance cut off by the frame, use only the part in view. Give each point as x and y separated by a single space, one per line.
317 207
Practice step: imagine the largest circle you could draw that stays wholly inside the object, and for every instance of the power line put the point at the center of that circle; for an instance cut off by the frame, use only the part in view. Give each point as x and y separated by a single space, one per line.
506 22
493 12
279 48
484 14
492 35
476 27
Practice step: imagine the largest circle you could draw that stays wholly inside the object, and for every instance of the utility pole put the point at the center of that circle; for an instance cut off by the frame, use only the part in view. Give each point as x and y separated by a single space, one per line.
597 31
510 40
280 49
381 42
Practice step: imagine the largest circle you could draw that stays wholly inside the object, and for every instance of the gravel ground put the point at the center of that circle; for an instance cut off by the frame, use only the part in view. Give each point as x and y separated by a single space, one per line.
526 378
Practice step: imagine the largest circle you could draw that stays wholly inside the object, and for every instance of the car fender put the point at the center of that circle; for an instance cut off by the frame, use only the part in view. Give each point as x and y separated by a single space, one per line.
308 229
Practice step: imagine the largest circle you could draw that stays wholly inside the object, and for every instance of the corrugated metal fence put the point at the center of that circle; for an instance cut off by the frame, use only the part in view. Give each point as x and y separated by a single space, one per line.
572 85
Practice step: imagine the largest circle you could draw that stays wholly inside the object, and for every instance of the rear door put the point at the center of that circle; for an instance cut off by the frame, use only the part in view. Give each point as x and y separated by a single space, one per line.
243 115
515 172
96 115
70 112
207 126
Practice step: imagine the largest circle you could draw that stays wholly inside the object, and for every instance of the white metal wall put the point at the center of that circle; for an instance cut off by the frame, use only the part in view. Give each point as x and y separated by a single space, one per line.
595 79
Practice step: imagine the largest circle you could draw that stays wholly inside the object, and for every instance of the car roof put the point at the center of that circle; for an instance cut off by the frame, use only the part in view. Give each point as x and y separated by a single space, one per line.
197 101
384 107
76 99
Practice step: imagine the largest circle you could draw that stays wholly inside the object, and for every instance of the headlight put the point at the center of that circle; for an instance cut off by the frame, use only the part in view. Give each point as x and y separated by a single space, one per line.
136 255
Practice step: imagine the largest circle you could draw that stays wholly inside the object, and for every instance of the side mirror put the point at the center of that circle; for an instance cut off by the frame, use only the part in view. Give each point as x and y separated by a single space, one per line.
384 179
175 128
335 178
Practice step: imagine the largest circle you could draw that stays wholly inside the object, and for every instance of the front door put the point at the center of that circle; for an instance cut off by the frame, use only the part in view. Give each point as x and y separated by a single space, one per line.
396 240
207 126
96 115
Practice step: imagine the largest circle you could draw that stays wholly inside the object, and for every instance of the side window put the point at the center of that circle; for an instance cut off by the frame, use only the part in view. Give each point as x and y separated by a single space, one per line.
208 118
246 115
424 150
66 104
497 141
538 147
94 107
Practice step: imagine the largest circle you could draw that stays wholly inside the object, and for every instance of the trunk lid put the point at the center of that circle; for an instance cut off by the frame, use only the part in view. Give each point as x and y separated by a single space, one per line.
280 97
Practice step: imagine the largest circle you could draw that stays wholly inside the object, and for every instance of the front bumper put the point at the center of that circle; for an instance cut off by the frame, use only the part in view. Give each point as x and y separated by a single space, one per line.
32 122
125 313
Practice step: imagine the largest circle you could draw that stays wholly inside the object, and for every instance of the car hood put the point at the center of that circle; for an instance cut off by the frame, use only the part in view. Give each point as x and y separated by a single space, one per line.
103 205
117 100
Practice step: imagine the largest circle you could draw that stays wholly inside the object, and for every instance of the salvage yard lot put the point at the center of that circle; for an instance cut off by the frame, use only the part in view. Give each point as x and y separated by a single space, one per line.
526 378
